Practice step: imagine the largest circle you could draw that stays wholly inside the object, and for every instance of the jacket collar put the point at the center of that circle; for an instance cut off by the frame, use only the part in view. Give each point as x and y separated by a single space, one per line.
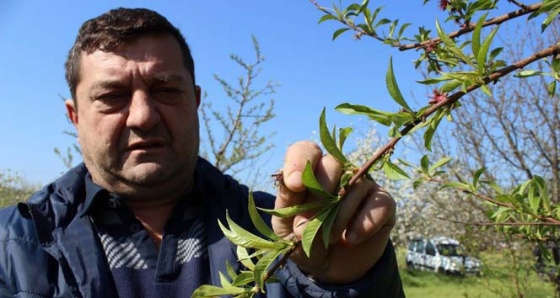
71 239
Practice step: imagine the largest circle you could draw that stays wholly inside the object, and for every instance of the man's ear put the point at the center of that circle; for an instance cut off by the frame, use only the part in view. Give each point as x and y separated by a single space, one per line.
197 95
71 111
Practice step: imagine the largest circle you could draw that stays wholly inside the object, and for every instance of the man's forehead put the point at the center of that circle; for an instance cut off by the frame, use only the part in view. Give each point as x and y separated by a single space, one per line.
108 82
107 66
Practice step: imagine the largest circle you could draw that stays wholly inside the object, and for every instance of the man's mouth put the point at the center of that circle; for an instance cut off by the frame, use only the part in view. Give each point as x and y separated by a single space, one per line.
145 145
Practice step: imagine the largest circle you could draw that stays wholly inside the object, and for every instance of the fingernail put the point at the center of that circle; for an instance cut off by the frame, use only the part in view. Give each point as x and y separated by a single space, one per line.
294 182
351 237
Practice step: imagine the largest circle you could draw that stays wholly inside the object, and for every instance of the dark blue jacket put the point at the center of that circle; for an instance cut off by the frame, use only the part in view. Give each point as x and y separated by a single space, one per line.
46 250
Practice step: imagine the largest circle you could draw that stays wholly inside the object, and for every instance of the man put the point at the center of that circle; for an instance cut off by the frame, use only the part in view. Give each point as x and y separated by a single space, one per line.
139 217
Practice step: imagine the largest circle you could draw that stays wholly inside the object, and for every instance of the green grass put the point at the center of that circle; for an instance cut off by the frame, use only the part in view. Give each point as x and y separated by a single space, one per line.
496 281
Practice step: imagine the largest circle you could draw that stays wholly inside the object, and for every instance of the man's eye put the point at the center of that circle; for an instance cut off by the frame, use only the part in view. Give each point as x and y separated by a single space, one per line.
167 91
112 97
167 95
109 102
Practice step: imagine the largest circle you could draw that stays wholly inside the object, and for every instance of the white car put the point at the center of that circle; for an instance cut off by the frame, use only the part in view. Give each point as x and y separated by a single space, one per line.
441 254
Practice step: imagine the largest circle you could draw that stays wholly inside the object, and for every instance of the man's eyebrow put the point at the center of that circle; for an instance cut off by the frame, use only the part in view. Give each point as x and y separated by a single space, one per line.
107 84
167 78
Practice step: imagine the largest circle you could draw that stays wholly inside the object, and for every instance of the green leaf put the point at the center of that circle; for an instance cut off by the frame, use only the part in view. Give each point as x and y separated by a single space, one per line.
431 81
451 46
288 212
313 185
243 257
338 32
551 89
224 281
440 163
231 273
239 236
394 132
494 53
382 22
213 291
457 185
476 35
374 15
326 17
345 178
528 73
424 164
393 88
450 86
476 176
481 57
328 223
417 182
262 266
437 173
494 186
501 215
363 6
555 64
551 16
404 162
393 172
353 7
258 222
244 278
328 141
534 199
403 27
343 133
311 230
381 117
421 125
486 90
504 198
431 130
523 187
392 27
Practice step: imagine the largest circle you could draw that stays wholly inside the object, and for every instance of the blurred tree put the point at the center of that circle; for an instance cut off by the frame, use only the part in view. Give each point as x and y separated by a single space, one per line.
234 139
13 188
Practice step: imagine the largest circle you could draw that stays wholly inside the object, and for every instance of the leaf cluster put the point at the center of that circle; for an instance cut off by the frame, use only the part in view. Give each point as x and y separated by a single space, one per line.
469 65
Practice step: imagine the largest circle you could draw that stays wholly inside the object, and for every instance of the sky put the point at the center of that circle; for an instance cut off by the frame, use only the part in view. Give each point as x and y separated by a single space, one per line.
313 71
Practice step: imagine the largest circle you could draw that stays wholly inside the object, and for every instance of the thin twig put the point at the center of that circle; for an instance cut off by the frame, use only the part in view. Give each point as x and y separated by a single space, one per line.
486 224
525 9
450 100
494 21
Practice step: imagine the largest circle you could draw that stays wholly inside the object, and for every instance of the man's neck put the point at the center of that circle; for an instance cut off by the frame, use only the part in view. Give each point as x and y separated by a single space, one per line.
153 215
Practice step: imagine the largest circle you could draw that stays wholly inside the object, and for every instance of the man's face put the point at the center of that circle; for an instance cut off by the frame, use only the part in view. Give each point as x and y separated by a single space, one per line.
136 117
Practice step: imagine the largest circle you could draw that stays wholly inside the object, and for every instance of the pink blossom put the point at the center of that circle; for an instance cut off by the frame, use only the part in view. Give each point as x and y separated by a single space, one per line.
437 97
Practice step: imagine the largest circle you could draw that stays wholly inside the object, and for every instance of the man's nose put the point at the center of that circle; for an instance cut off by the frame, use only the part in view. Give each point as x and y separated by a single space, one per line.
142 113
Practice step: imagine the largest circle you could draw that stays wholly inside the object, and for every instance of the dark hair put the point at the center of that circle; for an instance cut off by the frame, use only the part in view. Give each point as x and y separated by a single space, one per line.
117 28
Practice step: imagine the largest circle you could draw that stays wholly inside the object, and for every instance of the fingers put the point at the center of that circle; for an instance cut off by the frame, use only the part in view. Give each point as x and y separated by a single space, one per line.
366 210
296 158
292 191
327 172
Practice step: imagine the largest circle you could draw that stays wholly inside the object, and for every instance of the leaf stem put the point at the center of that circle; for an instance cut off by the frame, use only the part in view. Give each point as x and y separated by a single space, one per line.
282 261
493 77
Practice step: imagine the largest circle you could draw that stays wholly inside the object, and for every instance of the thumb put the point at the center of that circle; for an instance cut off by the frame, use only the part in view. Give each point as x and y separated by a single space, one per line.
292 191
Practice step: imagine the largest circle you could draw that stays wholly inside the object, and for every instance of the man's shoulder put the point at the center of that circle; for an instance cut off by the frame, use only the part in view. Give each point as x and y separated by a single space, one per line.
15 226
18 219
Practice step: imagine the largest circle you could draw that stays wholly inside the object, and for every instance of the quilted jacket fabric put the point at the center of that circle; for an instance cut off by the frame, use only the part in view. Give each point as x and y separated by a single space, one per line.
47 250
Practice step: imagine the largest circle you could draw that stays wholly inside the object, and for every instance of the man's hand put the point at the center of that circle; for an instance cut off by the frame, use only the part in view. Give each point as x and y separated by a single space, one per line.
362 226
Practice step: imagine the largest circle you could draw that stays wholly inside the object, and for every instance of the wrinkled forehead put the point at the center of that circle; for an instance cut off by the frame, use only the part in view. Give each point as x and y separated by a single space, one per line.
156 58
